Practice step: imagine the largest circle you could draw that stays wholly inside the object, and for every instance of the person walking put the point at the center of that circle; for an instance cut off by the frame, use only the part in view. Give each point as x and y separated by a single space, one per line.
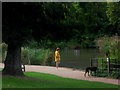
57 57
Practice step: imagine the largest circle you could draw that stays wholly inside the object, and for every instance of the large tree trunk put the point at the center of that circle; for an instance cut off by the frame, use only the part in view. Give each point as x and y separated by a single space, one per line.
13 61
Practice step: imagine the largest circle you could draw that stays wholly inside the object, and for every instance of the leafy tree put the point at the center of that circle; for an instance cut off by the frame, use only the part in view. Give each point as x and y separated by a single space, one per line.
23 21
113 13
11 37
86 21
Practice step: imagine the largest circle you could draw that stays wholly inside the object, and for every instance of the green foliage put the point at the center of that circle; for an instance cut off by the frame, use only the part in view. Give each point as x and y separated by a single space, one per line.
102 63
72 43
51 44
113 11
109 46
115 75
64 22
36 56
103 68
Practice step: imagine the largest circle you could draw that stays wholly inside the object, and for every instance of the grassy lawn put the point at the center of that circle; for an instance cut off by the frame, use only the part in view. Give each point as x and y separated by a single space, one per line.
40 80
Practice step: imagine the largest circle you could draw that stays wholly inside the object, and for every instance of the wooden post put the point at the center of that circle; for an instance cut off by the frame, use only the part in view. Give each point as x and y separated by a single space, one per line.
102 65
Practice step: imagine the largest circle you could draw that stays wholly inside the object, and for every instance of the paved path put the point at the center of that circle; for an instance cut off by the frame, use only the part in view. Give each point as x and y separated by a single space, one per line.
68 73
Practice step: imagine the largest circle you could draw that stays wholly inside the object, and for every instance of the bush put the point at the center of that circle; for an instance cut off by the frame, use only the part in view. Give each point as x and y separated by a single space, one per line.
73 44
37 56
109 46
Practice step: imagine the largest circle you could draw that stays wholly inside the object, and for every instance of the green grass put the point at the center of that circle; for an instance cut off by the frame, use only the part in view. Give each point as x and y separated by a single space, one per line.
40 80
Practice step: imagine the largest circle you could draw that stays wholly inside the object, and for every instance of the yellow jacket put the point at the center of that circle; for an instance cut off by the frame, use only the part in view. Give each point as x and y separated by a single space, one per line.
57 56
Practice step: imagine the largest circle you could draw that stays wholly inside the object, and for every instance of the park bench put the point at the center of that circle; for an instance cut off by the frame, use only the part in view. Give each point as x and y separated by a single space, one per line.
23 67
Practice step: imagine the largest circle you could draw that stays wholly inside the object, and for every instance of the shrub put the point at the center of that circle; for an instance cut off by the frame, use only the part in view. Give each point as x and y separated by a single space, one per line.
37 56
109 46
73 43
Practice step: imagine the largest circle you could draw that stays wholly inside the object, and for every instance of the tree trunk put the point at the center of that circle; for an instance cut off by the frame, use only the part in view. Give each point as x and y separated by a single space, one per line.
13 61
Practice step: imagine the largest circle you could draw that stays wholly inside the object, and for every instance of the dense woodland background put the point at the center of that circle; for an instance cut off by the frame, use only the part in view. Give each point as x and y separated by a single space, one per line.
50 24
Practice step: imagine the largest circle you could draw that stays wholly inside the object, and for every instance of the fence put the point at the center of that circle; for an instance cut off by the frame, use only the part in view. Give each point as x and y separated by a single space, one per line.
106 65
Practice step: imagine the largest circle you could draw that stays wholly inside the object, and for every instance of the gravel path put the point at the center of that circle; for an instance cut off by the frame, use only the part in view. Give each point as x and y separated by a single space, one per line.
68 73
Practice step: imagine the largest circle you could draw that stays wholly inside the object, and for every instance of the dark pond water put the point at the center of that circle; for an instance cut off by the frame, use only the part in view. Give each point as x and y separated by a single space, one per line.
78 59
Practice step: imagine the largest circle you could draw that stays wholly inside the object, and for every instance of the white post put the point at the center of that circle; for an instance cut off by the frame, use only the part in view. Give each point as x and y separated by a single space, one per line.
108 64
